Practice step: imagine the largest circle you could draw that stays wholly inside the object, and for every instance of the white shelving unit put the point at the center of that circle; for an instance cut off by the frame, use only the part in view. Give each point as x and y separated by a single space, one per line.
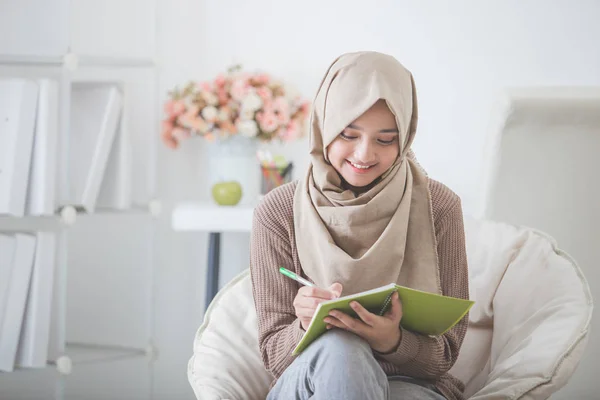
100 252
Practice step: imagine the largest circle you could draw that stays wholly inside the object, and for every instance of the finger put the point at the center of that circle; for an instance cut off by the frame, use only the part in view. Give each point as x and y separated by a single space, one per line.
336 289
305 323
305 312
395 312
334 322
351 324
312 291
364 314
309 302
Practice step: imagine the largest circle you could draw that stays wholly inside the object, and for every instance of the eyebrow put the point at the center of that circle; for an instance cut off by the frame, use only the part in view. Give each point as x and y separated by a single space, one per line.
392 130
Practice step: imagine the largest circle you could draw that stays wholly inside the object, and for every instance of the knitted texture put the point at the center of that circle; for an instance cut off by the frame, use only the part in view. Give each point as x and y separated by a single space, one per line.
279 330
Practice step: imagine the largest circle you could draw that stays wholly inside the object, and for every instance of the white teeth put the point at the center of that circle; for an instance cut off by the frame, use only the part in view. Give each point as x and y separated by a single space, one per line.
360 166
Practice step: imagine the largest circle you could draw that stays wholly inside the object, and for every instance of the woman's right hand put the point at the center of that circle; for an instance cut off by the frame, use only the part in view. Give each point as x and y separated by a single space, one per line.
309 297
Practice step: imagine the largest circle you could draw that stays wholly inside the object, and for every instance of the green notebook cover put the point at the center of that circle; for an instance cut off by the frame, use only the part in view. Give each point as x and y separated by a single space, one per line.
423 312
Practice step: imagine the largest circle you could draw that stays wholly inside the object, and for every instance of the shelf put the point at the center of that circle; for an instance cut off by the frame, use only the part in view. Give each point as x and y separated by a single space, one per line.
14 224
97 374
81 60
10 223
135 210
92 354
209 217
115 62
72 55
80 354
37 61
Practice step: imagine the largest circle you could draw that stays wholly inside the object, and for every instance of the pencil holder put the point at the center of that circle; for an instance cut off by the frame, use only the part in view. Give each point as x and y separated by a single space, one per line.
272 177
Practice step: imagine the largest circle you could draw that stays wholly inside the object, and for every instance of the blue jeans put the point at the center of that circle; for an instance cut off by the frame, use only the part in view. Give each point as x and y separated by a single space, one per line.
341 365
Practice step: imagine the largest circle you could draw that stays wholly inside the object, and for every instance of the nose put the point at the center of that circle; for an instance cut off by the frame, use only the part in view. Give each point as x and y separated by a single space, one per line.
365 152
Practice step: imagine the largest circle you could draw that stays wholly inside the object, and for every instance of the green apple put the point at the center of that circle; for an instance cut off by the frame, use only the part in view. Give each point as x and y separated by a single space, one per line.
227 193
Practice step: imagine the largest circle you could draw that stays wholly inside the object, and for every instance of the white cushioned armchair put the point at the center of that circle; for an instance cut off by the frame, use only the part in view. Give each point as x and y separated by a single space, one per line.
527 330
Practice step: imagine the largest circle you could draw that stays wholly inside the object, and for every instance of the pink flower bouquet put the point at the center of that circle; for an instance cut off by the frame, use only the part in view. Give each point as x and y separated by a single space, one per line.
235 103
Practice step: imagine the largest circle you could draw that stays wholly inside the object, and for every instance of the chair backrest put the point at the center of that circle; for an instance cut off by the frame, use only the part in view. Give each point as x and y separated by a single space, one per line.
226 362
543 172
531 315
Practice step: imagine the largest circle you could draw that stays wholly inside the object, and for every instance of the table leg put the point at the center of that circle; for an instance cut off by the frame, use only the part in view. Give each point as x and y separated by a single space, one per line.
212 274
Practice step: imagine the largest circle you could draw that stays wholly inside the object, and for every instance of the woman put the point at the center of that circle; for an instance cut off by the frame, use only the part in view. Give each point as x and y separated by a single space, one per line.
365 214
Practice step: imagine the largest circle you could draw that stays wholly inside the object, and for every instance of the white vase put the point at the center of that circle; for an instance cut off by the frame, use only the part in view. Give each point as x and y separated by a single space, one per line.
234 160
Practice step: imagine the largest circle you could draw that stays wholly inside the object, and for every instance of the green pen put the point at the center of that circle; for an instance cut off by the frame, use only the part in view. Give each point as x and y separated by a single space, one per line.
295 277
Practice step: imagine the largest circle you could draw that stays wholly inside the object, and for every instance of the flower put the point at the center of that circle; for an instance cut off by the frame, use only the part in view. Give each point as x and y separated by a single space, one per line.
210 113
174 108
269 107
168 107
253 105
252 102
262 79
205 86
248 128
210 98
223 97
167 125
167 137
290 132
305 108
264 93
282 110
269 122
228 127
224 114
246 114
239 89
220 81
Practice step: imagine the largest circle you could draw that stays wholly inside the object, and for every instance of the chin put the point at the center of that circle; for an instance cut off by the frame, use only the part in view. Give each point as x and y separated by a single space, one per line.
358 183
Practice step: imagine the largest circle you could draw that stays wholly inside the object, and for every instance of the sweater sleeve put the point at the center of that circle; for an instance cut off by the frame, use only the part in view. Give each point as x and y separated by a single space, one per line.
279 330
431 357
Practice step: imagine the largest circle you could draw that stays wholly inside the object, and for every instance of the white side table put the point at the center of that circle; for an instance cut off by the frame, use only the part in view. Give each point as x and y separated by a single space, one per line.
208 217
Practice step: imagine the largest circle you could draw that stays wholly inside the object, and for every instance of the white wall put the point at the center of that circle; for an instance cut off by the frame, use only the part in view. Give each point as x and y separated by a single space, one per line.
461 54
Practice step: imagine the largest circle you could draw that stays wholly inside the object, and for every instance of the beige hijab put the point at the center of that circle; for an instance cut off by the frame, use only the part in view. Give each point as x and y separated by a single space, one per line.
385 234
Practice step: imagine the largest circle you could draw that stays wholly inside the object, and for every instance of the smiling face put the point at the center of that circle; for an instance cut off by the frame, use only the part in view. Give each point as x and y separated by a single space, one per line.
367 147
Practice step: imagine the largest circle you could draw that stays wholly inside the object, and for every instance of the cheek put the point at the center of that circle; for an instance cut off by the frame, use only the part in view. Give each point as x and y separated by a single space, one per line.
337 152
390 155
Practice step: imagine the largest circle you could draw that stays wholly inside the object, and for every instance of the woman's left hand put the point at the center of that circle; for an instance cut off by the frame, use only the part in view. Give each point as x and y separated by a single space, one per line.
381 332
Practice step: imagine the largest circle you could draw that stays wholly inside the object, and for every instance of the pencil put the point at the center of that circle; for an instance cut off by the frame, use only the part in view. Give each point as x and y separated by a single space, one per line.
295 277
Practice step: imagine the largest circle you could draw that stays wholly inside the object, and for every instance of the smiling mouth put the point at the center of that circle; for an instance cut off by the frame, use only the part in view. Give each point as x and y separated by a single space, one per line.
360 167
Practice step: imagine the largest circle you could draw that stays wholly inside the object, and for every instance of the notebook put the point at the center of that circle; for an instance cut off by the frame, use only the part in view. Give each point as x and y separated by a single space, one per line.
423 312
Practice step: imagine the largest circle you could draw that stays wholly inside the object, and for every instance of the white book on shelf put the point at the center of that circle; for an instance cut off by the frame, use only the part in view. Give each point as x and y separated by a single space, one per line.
35 332
41 197
18 289
95 112
116 189
7 250
18 103
56 341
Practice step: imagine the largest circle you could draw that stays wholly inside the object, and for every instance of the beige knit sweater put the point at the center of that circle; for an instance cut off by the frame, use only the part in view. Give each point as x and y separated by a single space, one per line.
279 331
